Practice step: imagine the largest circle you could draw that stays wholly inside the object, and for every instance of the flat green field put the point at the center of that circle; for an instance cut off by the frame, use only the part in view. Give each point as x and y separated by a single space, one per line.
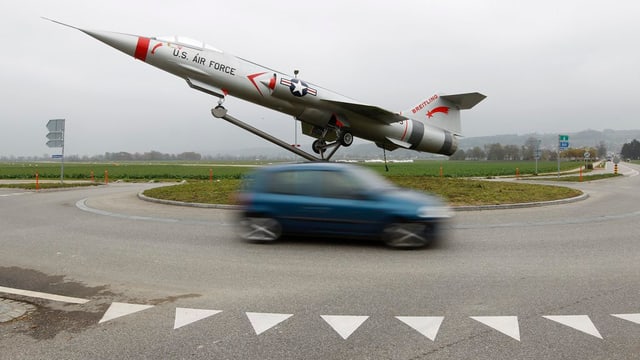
449 179
134 171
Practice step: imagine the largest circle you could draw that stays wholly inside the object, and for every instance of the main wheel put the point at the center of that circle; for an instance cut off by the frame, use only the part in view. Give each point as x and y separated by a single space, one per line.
346 138
406 235
261 229
318 146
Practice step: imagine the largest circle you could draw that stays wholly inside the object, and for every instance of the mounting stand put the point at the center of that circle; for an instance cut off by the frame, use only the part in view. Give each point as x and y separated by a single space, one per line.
220 112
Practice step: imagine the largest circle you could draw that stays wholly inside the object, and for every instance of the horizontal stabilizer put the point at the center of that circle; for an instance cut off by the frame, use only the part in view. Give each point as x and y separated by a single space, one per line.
464 101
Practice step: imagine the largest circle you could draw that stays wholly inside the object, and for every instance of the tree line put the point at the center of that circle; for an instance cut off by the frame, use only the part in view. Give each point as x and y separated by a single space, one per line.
631 150
497 151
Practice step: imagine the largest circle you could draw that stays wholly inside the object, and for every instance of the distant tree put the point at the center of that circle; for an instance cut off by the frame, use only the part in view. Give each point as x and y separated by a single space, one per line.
458 155
190 156
631 150
601 150
494 151
476 154
511 152
529 148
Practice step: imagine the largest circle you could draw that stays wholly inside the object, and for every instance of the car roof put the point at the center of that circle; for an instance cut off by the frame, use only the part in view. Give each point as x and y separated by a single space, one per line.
317 165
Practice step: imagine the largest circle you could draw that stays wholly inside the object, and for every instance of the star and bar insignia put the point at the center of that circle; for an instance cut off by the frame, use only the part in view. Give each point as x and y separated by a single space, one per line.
298 87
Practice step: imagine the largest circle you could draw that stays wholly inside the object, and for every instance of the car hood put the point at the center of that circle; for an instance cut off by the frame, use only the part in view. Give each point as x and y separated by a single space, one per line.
411 197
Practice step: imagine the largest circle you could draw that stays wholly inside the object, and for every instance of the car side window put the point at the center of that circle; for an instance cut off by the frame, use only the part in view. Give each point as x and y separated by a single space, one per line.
281 182
337 184
322 183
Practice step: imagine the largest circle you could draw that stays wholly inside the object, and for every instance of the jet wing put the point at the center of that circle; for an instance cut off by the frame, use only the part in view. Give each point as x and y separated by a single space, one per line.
369 111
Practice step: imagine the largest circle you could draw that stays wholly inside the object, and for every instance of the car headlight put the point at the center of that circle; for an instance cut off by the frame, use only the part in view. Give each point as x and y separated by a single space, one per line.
437 212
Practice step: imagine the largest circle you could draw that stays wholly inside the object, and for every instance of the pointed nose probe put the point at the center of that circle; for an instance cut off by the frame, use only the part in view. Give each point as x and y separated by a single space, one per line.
132 45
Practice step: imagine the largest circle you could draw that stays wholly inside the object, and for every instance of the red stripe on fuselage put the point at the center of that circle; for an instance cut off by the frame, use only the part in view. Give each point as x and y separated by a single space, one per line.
406 127
142 48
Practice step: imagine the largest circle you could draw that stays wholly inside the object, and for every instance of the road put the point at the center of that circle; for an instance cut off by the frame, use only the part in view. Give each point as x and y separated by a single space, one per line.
538 283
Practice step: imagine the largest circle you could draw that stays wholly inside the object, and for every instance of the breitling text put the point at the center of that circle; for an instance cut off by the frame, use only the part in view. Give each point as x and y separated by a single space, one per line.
424 103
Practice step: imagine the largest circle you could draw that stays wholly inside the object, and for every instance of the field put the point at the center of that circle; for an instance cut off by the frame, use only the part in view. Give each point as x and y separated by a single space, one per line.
448 179
137 171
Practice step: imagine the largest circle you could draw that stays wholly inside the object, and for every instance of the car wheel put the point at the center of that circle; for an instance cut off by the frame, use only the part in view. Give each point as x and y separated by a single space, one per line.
406 235
261 229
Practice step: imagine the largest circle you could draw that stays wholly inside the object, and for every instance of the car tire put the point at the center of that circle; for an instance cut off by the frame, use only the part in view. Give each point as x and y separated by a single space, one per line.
260 229
406 235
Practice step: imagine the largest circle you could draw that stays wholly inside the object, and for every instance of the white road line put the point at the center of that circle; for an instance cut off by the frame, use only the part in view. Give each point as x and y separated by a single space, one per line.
13 194
41 295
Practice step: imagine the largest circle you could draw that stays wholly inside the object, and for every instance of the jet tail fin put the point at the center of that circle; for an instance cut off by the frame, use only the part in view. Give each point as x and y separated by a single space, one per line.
443 111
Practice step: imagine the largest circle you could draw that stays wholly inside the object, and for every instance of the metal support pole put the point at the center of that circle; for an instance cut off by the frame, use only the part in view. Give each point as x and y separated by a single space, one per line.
62 160
221 113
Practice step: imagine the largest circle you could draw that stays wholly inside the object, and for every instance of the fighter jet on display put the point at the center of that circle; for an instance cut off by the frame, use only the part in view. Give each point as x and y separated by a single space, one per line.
432 125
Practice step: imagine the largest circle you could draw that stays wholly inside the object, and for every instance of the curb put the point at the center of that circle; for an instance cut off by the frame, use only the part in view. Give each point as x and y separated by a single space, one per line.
142 196
581 197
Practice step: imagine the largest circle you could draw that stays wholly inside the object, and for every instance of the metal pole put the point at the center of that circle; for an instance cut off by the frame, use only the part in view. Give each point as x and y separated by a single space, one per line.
62 160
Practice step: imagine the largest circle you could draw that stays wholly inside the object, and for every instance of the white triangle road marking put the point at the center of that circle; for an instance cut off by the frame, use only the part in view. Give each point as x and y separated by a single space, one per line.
507 325
629 317
578 322
344 325
425 325
186 316
262 322
118 309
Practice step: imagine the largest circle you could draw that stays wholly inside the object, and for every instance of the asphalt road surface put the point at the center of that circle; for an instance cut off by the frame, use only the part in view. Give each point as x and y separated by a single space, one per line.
165 282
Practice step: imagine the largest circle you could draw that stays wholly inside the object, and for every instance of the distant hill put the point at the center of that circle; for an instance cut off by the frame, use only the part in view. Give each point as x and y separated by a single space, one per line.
613 139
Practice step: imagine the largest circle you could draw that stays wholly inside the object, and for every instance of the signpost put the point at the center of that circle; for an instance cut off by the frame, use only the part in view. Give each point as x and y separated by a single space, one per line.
56 140
563 144
537 154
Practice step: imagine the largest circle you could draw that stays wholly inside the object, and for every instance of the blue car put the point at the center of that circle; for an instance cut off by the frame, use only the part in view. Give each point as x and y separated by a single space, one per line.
338 200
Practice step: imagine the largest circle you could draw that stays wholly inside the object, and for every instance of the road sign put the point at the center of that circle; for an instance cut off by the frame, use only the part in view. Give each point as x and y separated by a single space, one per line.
55 135
564 145
56 140
563 137
587 155
55 125
55 143
538 154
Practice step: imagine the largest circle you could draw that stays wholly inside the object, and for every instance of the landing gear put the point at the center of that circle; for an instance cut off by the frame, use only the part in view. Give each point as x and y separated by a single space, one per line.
320 146
345 137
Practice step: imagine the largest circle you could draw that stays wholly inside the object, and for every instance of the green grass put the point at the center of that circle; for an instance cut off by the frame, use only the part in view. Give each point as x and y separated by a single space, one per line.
421 175
123 171
140 171
456 191
48 185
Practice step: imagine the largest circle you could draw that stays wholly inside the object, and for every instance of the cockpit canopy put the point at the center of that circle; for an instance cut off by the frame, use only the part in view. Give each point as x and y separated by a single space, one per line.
186 41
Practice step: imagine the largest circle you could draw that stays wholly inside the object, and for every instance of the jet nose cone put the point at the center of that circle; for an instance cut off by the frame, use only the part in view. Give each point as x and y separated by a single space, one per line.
132 45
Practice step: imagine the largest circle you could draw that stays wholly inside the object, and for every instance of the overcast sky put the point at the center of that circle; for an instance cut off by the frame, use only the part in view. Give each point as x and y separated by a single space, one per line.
546 66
